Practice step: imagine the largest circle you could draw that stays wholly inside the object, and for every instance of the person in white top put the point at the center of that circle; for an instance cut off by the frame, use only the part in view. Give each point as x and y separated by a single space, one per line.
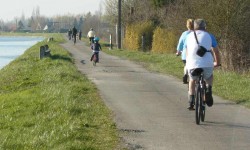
91 36
210 60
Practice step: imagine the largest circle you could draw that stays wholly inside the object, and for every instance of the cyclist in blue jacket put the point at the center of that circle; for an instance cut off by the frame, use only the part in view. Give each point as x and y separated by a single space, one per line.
182 50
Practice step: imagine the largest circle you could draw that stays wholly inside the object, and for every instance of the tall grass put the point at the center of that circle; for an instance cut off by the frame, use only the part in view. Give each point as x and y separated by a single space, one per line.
48 104
229 85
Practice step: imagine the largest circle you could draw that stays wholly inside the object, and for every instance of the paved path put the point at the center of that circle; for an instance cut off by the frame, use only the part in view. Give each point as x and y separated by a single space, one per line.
150 108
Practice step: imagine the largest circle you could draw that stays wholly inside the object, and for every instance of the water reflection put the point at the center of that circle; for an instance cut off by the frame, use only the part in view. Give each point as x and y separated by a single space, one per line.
13 47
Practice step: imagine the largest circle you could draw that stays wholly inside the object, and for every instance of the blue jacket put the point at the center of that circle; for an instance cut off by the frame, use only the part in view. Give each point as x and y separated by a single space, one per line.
180 47
96 47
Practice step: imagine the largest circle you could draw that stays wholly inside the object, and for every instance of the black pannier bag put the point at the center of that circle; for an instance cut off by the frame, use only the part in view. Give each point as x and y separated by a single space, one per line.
201 51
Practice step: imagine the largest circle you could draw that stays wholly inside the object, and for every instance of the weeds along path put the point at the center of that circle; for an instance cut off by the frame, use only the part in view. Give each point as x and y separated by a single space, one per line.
150 108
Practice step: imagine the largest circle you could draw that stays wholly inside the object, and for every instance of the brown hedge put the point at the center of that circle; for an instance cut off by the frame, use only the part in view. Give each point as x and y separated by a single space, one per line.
133 36
164 41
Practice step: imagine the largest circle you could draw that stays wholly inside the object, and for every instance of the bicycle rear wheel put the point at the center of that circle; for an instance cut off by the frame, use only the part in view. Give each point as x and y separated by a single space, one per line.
94 60
203 113
203 107
197 104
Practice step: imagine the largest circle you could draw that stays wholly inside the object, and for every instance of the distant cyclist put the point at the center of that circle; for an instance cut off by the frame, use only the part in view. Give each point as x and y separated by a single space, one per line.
80 35
74 33
96 47
69 34
91 35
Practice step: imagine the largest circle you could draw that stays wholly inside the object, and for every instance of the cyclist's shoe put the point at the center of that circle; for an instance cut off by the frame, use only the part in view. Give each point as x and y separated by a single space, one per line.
191 102
209 97
191 107
184 79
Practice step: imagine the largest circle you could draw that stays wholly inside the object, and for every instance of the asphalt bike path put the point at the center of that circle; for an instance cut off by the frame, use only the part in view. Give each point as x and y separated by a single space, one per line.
150 109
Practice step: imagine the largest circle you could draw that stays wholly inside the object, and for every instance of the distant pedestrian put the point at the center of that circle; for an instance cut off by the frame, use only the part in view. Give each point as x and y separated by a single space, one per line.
80 34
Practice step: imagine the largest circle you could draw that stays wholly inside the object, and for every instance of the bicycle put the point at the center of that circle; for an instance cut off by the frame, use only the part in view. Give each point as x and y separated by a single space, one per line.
200 90
94 58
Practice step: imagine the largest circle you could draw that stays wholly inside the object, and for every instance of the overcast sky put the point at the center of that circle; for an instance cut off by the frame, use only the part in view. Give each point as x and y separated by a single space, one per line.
9 9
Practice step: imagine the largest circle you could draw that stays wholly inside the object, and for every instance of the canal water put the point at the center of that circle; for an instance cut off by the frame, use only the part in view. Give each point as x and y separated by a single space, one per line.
13 47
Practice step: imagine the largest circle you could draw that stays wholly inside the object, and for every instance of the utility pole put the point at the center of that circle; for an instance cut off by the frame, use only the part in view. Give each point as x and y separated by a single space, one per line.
119 25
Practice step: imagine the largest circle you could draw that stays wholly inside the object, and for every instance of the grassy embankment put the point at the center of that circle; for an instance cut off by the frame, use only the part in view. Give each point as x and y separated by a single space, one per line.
48 104
228 85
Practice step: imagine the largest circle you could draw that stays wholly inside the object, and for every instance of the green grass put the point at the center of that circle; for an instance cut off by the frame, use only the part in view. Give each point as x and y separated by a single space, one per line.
48 104
228 85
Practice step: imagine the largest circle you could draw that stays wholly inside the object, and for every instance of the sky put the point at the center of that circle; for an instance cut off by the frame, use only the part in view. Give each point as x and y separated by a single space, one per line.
10 9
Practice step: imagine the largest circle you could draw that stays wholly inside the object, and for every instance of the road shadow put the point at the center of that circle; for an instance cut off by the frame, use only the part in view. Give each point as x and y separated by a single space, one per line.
83 61
226 124
130 145
132 131
53 57
225 103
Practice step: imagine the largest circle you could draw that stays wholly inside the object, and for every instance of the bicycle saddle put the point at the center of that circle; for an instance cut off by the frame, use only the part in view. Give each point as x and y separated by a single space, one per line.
196 71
